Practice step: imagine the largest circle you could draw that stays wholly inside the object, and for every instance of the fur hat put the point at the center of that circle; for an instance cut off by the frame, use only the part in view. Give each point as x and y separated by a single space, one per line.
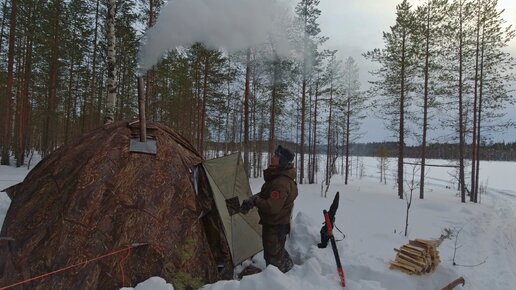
285 156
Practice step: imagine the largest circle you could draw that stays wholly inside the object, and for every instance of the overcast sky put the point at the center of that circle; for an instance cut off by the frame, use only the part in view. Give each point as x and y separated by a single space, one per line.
356 26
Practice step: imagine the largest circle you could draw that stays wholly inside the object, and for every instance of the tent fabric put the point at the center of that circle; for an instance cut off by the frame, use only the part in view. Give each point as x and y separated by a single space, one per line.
93 196
228 180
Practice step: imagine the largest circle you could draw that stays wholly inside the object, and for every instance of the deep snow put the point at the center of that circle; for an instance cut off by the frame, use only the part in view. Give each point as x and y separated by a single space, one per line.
373 220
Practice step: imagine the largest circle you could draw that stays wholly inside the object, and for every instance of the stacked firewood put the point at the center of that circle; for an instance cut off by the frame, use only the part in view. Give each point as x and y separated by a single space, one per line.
417 257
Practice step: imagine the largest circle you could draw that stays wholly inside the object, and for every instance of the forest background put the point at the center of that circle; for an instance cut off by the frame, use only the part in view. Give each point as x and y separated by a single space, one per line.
441 83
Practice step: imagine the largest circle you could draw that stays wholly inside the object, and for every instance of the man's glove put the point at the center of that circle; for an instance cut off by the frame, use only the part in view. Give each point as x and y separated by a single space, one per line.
248 204
253 198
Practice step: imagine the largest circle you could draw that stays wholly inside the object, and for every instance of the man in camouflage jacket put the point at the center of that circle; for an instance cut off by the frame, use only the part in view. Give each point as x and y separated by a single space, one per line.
275 203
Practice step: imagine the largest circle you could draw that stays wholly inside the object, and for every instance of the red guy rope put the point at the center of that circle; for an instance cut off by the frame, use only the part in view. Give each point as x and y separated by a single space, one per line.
128 248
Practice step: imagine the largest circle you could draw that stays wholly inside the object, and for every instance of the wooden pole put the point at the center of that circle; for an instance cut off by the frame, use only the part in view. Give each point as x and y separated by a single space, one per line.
431 165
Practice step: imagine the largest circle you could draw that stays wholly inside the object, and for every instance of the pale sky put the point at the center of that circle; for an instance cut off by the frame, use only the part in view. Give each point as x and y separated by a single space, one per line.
356 26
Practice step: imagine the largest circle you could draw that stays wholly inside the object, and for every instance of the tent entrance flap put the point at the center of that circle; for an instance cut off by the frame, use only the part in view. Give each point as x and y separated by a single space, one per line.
230 185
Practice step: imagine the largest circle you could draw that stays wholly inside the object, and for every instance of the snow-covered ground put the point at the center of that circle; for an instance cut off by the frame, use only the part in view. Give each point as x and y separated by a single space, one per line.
373 220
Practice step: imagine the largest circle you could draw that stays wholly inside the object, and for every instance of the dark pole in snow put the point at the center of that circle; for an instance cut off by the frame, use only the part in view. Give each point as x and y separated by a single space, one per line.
329 229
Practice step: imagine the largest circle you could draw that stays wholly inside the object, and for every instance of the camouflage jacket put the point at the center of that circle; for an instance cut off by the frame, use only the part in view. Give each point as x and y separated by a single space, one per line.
276 198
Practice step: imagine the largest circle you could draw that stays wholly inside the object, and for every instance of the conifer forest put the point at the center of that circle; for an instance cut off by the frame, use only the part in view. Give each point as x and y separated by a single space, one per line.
70 66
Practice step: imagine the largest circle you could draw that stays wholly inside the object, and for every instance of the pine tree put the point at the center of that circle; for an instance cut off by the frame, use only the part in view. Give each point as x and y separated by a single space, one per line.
351 106
208 74
307 13
431 17
493 78
459 57
397 68
333 74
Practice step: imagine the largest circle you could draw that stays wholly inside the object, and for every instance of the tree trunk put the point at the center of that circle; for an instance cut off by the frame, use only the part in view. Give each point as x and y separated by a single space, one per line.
477 159
302 133
24 106
474 144
226 133
310 131
204 101
4 17
425 106
348 117
461 121
7 118
88 107
149 87
314 138
69 99
111 63
246 111
50 134
256 148
475 110
272 128
303 99
328 149
100 99
401 149
123 76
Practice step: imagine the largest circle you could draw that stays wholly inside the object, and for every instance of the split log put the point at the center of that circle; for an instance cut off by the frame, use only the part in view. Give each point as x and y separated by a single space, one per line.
417 257
455 282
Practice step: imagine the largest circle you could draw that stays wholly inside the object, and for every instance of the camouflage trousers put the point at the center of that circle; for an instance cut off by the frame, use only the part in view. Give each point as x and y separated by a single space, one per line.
273 238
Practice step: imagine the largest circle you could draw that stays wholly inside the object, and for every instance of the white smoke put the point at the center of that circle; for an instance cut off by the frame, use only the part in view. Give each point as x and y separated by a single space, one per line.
229 24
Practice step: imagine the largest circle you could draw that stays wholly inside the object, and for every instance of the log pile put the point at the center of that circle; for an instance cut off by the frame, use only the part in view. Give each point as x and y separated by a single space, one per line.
417 257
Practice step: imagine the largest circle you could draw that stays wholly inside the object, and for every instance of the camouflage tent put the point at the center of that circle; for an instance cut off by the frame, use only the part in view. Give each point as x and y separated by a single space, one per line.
94 196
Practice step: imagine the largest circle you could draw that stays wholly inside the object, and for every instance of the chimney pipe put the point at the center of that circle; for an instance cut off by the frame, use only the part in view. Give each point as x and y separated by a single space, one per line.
141 109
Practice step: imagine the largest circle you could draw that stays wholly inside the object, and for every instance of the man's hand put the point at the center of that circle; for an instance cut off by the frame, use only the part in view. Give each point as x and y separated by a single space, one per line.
253 198
248 204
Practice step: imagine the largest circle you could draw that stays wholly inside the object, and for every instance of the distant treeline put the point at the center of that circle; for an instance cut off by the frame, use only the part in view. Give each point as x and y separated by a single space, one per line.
491 151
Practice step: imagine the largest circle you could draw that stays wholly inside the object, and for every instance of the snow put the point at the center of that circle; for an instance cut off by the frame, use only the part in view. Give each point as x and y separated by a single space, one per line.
154 283
372 218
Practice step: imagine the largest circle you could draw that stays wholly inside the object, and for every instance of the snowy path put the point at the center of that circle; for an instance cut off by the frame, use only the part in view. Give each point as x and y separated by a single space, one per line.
492 235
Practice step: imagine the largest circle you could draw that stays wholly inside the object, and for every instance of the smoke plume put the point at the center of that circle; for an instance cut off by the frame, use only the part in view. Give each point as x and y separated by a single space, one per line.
229 24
